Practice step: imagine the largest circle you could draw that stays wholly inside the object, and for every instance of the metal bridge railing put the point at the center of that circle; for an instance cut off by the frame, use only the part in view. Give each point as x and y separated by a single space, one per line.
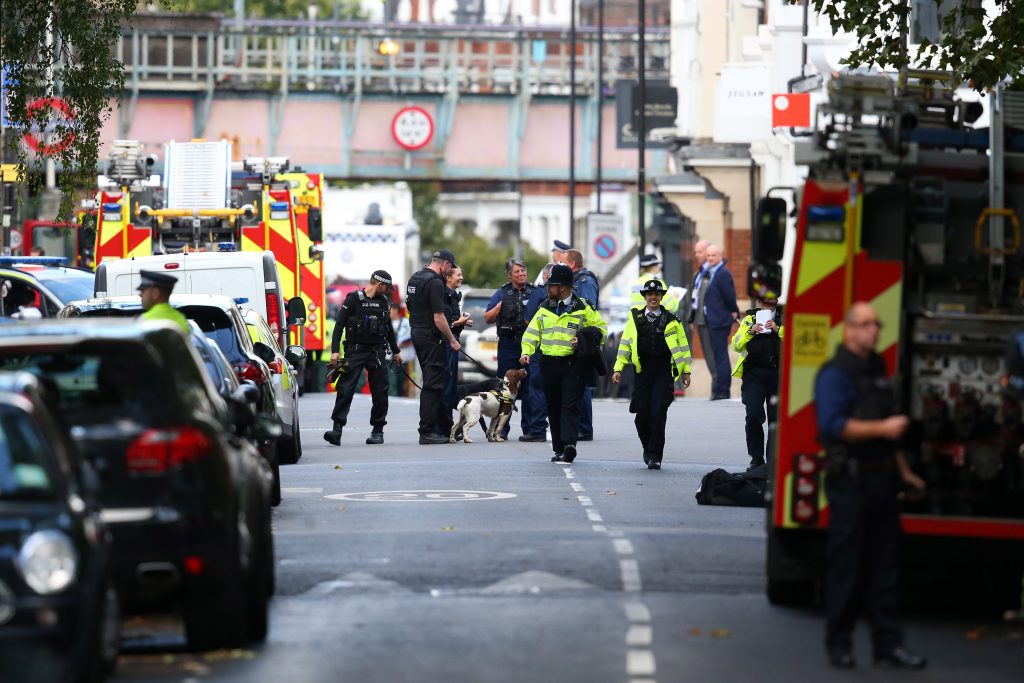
338 57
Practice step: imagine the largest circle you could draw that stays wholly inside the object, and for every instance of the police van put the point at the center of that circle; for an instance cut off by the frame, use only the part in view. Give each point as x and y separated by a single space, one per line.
248 277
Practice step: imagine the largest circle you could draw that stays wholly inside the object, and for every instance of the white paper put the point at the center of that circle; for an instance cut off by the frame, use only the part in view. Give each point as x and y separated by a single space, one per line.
763 316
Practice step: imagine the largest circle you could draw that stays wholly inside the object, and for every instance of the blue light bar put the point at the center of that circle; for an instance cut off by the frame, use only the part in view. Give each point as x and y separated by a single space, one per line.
227 246
56 261
111 207
241 300
279 206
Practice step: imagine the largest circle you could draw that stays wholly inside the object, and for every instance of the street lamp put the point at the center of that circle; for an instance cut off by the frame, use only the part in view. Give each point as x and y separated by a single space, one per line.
388 48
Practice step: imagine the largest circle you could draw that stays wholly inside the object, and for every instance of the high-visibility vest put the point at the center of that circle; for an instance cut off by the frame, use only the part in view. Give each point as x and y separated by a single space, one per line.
675 339
742 338
553 333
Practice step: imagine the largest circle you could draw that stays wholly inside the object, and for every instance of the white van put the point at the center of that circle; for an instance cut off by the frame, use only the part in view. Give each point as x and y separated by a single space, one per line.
249 277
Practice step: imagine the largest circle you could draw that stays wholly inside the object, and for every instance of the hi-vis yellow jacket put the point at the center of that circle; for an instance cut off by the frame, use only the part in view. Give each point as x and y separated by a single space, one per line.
675 339
636 300
742 338
553 333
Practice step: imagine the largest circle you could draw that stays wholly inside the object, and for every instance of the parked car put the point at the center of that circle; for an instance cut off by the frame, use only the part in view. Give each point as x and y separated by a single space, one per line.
286 369
221 320
59 610
39 286
186 499
479 341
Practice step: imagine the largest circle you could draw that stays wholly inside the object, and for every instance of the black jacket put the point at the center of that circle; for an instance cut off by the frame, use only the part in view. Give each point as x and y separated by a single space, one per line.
588 352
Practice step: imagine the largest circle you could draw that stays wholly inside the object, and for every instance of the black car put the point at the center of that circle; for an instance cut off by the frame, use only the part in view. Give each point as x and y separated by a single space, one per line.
59 612
186 500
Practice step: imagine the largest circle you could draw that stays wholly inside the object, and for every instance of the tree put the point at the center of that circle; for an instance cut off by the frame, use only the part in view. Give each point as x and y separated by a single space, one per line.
979 47
60 62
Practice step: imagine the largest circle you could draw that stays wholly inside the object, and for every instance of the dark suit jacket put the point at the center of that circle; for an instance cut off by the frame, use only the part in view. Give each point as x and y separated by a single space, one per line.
720 301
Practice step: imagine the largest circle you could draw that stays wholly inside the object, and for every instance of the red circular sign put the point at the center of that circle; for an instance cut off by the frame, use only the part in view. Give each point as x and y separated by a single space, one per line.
412 128
37 140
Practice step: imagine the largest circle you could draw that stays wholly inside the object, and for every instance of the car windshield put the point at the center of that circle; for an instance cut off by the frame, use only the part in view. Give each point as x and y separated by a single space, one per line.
69 285
26 471
216 325
475 304
96 381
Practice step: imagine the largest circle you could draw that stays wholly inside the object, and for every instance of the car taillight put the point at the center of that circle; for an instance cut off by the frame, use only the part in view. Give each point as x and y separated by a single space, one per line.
157 450
250 371
805 492
273 314
276 366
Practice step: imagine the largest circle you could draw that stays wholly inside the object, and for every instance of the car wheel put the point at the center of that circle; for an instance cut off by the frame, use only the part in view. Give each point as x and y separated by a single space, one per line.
289 448
105 645
215 620
275 491
259 585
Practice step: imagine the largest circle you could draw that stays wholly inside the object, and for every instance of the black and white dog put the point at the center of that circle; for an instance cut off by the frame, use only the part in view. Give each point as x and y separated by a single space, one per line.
495 404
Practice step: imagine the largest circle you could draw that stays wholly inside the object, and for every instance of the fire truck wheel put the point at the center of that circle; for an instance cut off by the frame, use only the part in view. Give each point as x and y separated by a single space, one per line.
790 593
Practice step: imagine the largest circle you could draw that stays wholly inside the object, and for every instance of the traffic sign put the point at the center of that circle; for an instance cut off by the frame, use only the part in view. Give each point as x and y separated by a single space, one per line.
412 128
605 247
59 110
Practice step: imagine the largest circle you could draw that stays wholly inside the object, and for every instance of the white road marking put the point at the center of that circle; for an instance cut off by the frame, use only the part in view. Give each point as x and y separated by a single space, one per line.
577 487
630 571
569 474
637 612
639 636
585 501
640 663
594 515
616 534
302 489
623 546
600 528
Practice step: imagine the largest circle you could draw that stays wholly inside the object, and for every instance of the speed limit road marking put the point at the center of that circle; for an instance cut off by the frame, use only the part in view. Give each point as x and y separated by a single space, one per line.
428 496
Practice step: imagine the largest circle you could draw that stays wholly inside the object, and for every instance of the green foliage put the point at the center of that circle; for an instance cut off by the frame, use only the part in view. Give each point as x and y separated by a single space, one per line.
979 47
482 265
348 10
78 66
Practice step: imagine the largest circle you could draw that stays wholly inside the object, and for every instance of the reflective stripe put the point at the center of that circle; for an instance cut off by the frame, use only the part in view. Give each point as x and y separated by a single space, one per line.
563 330
679 349
556 342
625 353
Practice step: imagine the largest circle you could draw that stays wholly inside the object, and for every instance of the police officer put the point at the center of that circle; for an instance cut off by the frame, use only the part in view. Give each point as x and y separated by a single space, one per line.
655 344
859 427
365 322
433 340
457 321
155 290
650 269
555 330
535 407
585 285
760 347
507 309
558 250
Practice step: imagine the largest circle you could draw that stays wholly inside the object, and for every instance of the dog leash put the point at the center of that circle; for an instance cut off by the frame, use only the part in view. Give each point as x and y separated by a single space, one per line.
406 373
477 363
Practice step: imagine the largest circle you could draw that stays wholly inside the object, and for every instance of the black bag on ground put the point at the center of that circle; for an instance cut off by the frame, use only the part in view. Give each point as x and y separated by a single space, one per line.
746 489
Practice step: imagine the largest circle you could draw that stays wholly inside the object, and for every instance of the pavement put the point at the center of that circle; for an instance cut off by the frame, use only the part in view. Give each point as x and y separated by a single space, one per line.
487 562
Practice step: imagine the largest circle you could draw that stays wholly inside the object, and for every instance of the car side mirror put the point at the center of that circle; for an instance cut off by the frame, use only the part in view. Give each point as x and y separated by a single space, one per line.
266 428
315 223
265 353
296 311
295 355
240 413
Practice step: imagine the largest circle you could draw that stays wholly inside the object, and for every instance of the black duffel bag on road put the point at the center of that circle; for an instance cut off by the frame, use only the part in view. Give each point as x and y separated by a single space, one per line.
746 489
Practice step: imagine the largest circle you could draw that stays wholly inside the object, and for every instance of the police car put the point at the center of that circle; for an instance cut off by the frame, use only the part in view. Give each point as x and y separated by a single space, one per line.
40 286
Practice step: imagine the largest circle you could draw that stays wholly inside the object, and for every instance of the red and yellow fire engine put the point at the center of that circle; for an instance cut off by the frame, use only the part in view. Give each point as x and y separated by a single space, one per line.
899 211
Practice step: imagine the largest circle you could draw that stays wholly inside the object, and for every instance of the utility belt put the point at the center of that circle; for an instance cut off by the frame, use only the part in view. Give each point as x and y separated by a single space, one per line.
558 359
510 331
359 346
841 464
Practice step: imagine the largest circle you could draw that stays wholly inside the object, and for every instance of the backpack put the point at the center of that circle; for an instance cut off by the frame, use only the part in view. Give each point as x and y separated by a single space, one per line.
719 487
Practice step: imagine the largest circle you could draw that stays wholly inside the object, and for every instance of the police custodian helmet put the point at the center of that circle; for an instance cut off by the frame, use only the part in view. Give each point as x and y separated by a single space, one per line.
561 274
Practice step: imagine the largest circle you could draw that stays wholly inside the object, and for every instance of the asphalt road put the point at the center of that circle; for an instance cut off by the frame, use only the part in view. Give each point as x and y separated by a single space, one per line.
494 564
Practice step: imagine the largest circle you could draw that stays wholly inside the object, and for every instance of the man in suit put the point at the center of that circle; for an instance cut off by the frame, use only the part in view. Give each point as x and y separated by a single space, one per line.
714 313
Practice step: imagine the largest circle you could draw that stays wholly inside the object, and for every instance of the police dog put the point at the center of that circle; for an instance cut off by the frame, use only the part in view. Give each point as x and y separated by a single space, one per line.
496 404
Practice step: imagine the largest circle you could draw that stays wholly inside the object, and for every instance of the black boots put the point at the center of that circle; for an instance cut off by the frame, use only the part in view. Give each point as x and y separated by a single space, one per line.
376 437
333 437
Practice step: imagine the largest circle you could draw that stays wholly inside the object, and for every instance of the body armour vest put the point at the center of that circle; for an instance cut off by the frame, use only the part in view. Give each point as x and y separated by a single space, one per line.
512 318
764 350
416 299
876 399
650 337
369 319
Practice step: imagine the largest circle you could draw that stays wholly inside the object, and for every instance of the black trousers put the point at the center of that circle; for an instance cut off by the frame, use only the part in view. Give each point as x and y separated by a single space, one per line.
563 391
371 360
759 385
652 395
433 351
862 560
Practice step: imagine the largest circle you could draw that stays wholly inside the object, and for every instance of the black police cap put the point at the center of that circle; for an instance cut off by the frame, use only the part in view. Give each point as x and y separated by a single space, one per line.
445 255
151 278
561 246
652 285
649 260
381 276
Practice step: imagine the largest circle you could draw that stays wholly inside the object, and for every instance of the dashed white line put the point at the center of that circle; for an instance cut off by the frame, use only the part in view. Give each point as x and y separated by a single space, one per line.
599 528
630 571
594 515
640 663
623 546
639 636
569 474
576 487
585 501
637 612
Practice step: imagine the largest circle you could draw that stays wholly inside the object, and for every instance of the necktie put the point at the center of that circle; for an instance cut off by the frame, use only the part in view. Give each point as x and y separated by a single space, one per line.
652 316
559 307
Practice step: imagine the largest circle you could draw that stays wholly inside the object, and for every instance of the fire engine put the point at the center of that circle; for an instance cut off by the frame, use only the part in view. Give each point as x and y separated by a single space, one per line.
905 207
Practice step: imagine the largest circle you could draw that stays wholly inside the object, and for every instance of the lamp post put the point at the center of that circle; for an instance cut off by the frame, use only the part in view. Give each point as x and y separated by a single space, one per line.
572 124
641 133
